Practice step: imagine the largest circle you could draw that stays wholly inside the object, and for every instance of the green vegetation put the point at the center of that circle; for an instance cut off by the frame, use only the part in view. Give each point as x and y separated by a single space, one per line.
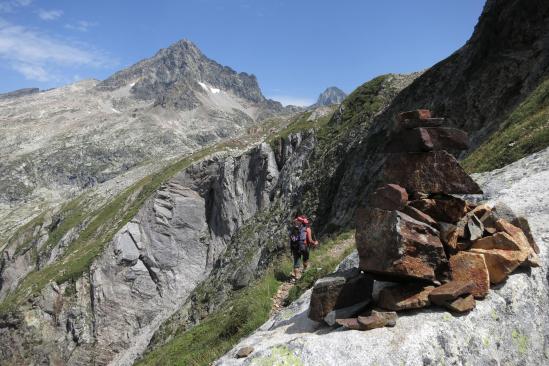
524 132
298 124
357 109
246 310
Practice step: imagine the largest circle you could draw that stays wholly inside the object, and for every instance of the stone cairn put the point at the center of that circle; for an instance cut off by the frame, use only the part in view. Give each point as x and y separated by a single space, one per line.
435 247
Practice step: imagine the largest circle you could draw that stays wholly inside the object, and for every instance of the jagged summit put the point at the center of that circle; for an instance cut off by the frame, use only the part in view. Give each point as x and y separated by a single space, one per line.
176 75
332 95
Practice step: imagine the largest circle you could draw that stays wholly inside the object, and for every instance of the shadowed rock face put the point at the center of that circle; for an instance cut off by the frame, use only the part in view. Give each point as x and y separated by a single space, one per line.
478 85
475 88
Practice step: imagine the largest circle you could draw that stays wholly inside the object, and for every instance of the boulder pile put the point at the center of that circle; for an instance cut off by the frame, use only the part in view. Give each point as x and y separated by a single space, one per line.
414 231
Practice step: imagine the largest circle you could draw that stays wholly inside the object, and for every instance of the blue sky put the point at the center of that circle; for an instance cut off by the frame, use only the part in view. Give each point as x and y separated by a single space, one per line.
295 48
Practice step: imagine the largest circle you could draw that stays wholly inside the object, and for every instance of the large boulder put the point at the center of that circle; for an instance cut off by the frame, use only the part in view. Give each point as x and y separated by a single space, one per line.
432 172
393 245
339 290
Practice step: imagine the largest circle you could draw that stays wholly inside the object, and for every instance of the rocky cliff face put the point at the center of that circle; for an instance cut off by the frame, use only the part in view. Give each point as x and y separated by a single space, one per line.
509 326
332 95
153 264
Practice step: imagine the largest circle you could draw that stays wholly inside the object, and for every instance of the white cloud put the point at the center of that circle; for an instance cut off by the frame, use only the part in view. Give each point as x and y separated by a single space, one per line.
33 72
289 100
81 25
9 6
37 55
49 14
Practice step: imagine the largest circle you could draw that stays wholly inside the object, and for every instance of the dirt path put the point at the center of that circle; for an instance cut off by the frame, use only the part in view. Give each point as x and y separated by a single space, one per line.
283 290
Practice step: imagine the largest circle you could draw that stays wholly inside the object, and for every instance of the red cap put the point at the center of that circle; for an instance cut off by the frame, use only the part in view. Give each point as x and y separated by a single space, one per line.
303 220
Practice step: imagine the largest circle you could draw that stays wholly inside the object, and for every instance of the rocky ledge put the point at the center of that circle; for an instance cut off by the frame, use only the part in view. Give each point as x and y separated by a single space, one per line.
509 326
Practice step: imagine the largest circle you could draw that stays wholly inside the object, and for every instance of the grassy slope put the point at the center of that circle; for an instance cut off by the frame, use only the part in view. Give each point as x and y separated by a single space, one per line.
524 132
245 311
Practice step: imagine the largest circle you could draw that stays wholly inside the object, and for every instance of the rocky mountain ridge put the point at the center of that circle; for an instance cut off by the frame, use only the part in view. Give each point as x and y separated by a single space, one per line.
175 75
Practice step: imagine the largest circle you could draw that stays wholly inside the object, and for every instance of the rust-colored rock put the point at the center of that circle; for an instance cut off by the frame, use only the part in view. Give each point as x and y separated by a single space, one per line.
500 262
405 297
339 290
450 291
461 304
520 238
522 223
446 208
392 245
419 216
466 266
432 172
499 240
378 319
418 114
389 197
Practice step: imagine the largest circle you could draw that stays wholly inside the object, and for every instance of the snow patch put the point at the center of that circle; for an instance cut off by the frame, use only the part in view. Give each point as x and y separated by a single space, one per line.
208 88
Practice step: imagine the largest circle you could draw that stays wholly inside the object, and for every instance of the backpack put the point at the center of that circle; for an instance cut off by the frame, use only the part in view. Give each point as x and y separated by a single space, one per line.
298 237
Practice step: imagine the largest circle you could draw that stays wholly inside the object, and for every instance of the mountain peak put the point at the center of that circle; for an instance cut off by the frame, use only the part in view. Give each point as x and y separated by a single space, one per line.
173 75
332 95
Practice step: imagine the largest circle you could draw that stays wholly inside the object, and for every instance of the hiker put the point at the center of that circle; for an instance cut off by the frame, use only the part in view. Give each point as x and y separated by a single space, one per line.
301 241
